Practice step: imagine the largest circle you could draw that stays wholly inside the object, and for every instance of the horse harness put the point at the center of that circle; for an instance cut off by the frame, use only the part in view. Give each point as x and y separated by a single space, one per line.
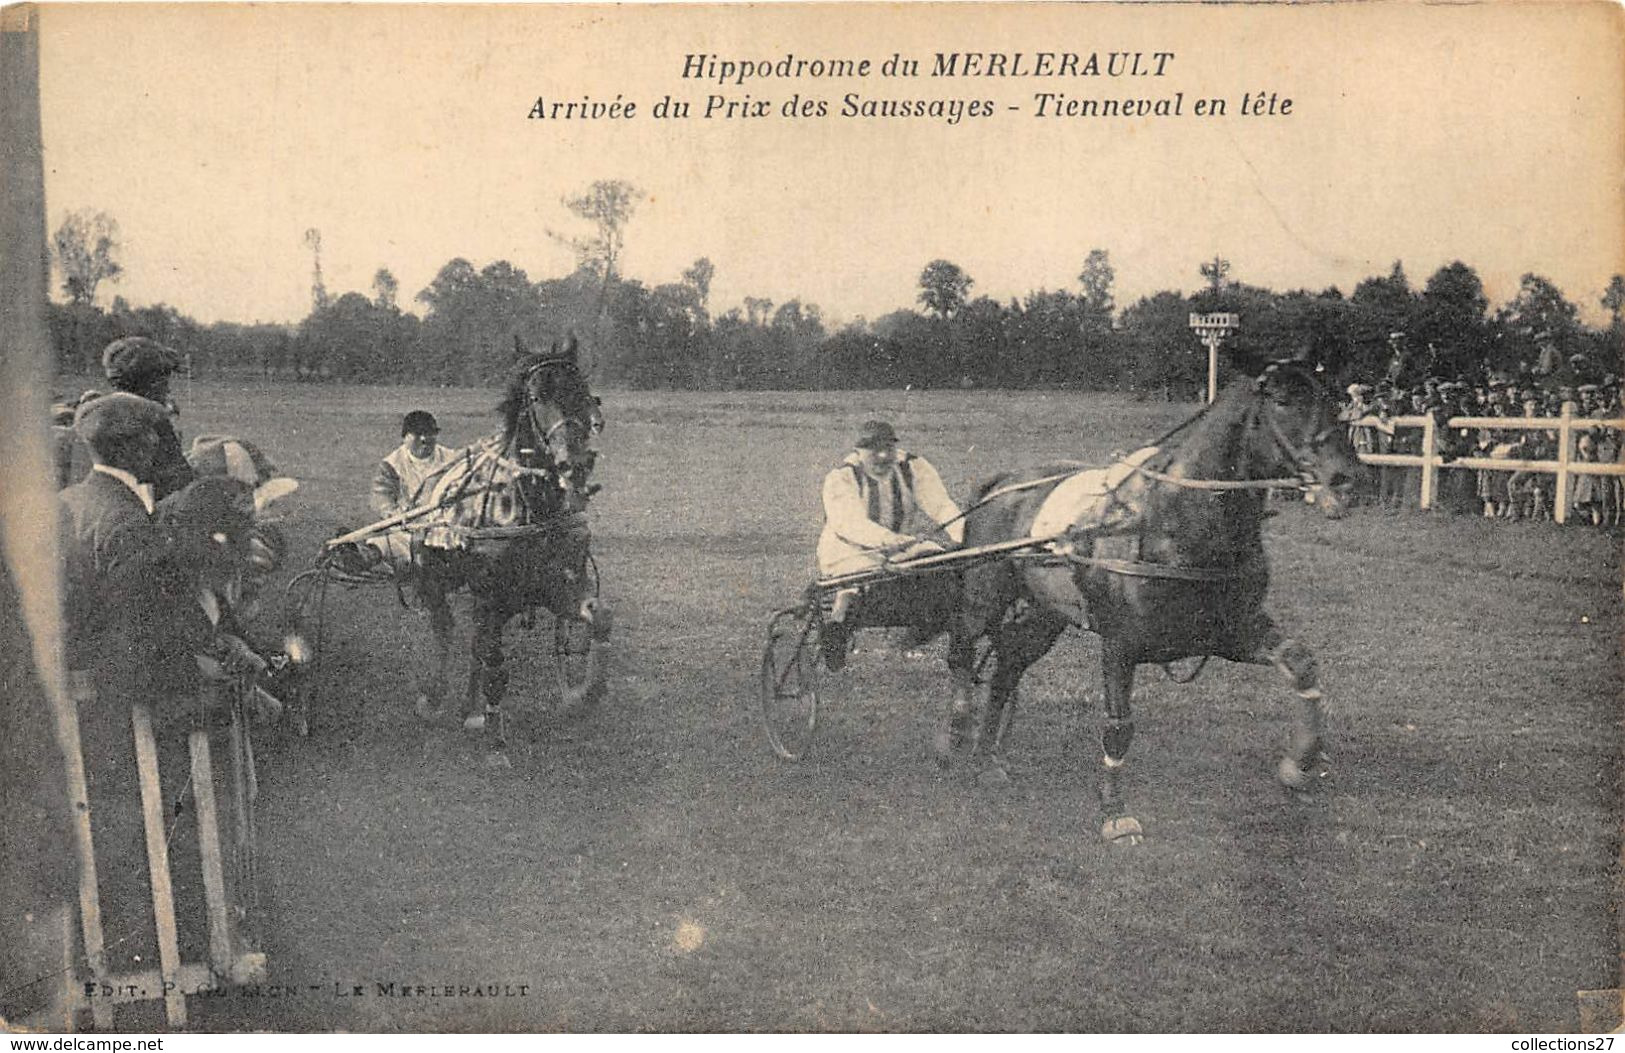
1065 552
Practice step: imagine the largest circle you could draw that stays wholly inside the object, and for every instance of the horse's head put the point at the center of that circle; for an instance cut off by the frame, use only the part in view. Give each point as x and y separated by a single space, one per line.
549 417
1299 430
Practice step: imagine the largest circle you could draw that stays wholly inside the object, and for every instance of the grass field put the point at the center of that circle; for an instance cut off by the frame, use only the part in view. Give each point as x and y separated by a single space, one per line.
651 866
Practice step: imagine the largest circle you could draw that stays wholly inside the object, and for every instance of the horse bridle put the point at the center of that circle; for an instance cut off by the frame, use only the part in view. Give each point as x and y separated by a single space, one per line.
1299 457
532 403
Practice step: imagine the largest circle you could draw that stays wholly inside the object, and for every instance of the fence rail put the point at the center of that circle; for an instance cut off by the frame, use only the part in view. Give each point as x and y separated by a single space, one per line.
1565 467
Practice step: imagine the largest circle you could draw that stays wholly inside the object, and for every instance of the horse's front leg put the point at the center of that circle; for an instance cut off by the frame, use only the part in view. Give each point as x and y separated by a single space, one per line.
1304 758
1117 666
431 700
487 676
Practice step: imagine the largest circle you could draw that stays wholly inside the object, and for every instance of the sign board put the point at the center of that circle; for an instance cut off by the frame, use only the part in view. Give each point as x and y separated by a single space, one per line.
1220 320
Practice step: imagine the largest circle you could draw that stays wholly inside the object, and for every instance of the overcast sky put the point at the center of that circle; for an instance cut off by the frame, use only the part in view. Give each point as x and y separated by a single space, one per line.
217 136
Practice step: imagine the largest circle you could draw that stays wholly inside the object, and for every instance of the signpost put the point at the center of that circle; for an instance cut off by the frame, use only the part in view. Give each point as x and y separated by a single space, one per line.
1213 328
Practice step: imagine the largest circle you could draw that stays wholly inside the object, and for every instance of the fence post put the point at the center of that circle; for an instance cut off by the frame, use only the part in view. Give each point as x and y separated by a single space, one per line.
1429 460
1565 442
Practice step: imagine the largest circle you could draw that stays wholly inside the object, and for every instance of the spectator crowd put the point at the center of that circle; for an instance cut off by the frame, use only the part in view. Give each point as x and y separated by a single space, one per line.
1370 410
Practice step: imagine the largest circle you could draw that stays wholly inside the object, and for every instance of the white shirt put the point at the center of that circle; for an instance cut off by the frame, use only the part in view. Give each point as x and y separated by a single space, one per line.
851 540
141 490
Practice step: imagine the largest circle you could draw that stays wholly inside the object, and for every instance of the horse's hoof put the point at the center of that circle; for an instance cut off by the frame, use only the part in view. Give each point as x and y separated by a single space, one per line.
1296 777
994 777
474 722
247 968
1122 830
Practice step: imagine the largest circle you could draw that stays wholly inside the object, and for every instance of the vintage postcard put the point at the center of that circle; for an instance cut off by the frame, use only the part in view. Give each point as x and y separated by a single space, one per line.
1006 517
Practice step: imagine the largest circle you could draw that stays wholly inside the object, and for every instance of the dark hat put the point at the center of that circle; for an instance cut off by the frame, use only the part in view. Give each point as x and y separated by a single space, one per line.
116 416
233 458
136 359
875 435
230 456
217 502
420 422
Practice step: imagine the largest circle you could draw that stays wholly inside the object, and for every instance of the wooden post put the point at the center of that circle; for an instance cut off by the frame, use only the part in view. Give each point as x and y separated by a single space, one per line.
163 893
1213 328
1565 455
221 954
1430 460
90 909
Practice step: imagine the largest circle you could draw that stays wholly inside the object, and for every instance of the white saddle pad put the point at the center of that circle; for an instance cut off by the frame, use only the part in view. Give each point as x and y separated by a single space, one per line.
1080 500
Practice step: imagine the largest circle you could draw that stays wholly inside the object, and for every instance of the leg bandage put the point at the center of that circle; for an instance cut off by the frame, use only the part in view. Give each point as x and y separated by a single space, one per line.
1114 740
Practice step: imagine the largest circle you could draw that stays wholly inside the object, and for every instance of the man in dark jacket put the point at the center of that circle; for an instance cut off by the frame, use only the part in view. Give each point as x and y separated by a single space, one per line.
143 367
133 628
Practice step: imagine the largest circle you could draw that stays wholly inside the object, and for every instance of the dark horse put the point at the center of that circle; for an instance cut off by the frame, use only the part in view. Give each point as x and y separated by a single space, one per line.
514 531
1173 568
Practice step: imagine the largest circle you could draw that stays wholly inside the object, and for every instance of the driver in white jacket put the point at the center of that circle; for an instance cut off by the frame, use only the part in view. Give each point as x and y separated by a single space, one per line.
879 502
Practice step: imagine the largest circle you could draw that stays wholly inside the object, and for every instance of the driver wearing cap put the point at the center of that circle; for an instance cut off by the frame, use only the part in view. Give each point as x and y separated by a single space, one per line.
878 503
399 481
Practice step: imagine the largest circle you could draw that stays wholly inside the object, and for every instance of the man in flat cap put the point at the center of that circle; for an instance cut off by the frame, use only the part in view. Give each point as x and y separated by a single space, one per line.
879 503
142 366
132 629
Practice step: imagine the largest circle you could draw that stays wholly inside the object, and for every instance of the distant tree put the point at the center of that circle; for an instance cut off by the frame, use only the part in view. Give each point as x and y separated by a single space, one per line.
1384 328
756 310
1541 310
922 348
385 289
1096 278
674 332
1613 299
1541 326
608 205
84 247
1046 340
1163 355
1392 292
345 338
1216 271
980 347
944 287
451 322
1450 317
698 277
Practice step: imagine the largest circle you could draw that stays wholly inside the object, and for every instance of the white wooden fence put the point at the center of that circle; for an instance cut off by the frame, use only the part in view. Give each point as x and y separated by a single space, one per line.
1567 425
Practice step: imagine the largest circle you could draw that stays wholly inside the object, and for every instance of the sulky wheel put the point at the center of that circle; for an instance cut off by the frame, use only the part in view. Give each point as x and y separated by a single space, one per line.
789 684
580 658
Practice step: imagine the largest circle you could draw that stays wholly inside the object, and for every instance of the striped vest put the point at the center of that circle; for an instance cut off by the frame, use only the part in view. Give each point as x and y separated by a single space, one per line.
901 486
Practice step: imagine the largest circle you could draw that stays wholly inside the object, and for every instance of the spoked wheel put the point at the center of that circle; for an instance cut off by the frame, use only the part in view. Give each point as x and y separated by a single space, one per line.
789 683
580 658
304 607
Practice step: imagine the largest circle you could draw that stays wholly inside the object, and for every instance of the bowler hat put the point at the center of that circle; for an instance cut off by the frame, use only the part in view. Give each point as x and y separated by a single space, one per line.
135 359
116 416
875 435
420 422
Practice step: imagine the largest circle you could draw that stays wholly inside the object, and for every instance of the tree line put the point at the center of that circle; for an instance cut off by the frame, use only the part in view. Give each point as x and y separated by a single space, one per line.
461 328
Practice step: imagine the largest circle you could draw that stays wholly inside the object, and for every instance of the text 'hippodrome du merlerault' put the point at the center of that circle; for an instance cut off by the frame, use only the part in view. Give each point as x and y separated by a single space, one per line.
1034 84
